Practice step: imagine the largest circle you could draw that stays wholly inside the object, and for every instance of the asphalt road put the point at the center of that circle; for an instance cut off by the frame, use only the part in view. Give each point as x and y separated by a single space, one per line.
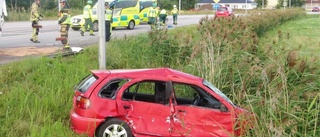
16 35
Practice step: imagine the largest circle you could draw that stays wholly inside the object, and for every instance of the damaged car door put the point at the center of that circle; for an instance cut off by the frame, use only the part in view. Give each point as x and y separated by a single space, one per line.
199 113
144 103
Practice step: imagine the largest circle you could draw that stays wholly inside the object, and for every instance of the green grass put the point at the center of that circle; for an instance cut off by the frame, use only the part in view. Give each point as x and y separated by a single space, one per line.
301 35
36 94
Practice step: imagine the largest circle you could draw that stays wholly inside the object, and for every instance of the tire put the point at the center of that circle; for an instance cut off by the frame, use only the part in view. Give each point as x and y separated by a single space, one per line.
75 29
95 26
131 25
107 129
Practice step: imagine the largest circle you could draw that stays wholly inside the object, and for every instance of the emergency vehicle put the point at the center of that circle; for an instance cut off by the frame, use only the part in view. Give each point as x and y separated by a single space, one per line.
145 8
125 14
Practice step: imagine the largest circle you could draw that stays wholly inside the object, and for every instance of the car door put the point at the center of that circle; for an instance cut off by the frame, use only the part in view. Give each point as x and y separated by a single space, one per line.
137 104
198 113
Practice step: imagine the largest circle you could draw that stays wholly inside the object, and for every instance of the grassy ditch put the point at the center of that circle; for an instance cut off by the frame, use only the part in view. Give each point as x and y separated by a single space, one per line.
265 63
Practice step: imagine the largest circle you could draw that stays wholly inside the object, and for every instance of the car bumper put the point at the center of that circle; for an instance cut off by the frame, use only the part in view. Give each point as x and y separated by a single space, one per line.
83 125
75 25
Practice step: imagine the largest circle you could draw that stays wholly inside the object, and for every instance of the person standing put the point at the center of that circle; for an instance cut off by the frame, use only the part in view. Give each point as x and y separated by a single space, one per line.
87 15
152 16
108 21
3 13
174 13
163 16
64 22
35 16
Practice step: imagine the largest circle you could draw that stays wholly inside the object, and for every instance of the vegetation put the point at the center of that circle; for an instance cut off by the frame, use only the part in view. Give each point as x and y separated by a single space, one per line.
266 63
21 9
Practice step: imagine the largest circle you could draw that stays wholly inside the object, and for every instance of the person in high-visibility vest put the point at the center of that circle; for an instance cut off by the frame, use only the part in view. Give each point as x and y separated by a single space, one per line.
174 13
64 22
35 16
87 15
3 12
108 18
163 16
152 15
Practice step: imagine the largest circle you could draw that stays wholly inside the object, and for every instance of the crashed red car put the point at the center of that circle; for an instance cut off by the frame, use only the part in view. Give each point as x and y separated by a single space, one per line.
153 102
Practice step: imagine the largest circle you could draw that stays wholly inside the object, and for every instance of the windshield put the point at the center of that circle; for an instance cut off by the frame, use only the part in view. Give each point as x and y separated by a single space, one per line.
216 90
123 4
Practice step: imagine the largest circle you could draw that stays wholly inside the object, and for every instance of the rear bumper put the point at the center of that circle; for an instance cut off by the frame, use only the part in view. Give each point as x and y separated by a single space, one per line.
83 125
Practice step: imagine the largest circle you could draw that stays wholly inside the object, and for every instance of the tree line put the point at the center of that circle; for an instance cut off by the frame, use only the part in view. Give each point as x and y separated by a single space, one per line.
23 5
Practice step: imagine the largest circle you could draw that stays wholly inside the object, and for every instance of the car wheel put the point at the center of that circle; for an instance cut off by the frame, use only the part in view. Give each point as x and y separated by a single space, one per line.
131 25
114 128
75 29
95 26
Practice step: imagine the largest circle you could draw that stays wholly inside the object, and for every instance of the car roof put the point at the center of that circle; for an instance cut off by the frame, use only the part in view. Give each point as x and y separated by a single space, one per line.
148 72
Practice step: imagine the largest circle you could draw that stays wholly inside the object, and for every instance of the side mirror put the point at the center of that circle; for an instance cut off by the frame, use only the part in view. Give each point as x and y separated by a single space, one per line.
223 108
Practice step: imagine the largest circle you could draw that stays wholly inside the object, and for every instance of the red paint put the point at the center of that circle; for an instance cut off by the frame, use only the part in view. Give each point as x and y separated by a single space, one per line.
175 116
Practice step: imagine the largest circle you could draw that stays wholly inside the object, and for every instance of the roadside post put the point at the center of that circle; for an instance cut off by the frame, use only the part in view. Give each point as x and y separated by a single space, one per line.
102 34
284 4
216 6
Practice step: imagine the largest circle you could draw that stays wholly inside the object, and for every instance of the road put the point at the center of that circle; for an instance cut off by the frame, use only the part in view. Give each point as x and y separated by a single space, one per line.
15 38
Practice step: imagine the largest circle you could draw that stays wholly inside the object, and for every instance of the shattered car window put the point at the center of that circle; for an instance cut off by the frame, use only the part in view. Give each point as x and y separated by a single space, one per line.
216 90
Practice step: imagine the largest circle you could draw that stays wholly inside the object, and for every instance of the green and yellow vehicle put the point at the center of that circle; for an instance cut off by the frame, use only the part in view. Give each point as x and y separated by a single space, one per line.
125 14
145 8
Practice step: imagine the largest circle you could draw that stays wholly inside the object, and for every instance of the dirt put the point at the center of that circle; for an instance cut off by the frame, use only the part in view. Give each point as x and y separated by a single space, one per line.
12 54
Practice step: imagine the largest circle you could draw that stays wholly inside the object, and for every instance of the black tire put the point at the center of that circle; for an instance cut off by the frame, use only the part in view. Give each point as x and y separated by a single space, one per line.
95 26
109 126
131 25
75 29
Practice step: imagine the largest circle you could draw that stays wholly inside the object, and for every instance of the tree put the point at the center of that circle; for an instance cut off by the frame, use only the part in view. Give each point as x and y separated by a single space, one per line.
294 3
265 3
185 4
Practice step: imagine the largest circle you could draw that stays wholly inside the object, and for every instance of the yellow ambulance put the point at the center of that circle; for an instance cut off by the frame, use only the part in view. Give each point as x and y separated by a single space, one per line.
125 14
145 8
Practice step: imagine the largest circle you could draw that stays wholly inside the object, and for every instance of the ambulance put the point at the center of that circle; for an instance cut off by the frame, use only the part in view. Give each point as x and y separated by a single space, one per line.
145 8
125 15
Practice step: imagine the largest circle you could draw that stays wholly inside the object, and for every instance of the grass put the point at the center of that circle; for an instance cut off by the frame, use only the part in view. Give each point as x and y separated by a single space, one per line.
278 81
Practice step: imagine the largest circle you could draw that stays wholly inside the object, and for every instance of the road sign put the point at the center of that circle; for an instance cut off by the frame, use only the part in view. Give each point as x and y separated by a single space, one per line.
216 1
216 6
285 3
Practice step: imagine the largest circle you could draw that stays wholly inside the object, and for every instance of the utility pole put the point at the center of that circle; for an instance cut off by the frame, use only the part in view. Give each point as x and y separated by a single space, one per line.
179 6
246 7
289 3
102 34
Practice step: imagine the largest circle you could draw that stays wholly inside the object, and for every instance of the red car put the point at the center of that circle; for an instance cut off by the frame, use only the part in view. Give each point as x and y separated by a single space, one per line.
315 9
153 102
224 12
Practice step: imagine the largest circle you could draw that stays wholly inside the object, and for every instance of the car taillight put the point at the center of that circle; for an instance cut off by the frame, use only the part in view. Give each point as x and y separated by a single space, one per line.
83 102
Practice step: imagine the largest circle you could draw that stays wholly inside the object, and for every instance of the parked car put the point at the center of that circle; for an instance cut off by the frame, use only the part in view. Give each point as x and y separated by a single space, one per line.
224 12
315 9
153 102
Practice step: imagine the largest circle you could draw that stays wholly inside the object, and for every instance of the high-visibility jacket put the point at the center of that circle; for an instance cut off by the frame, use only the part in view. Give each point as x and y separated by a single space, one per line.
152 12
163 11
65 16
174 11
108 15
34 12
87 12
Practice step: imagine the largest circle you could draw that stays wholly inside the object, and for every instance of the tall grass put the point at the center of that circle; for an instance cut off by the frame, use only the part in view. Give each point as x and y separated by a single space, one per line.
262 73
